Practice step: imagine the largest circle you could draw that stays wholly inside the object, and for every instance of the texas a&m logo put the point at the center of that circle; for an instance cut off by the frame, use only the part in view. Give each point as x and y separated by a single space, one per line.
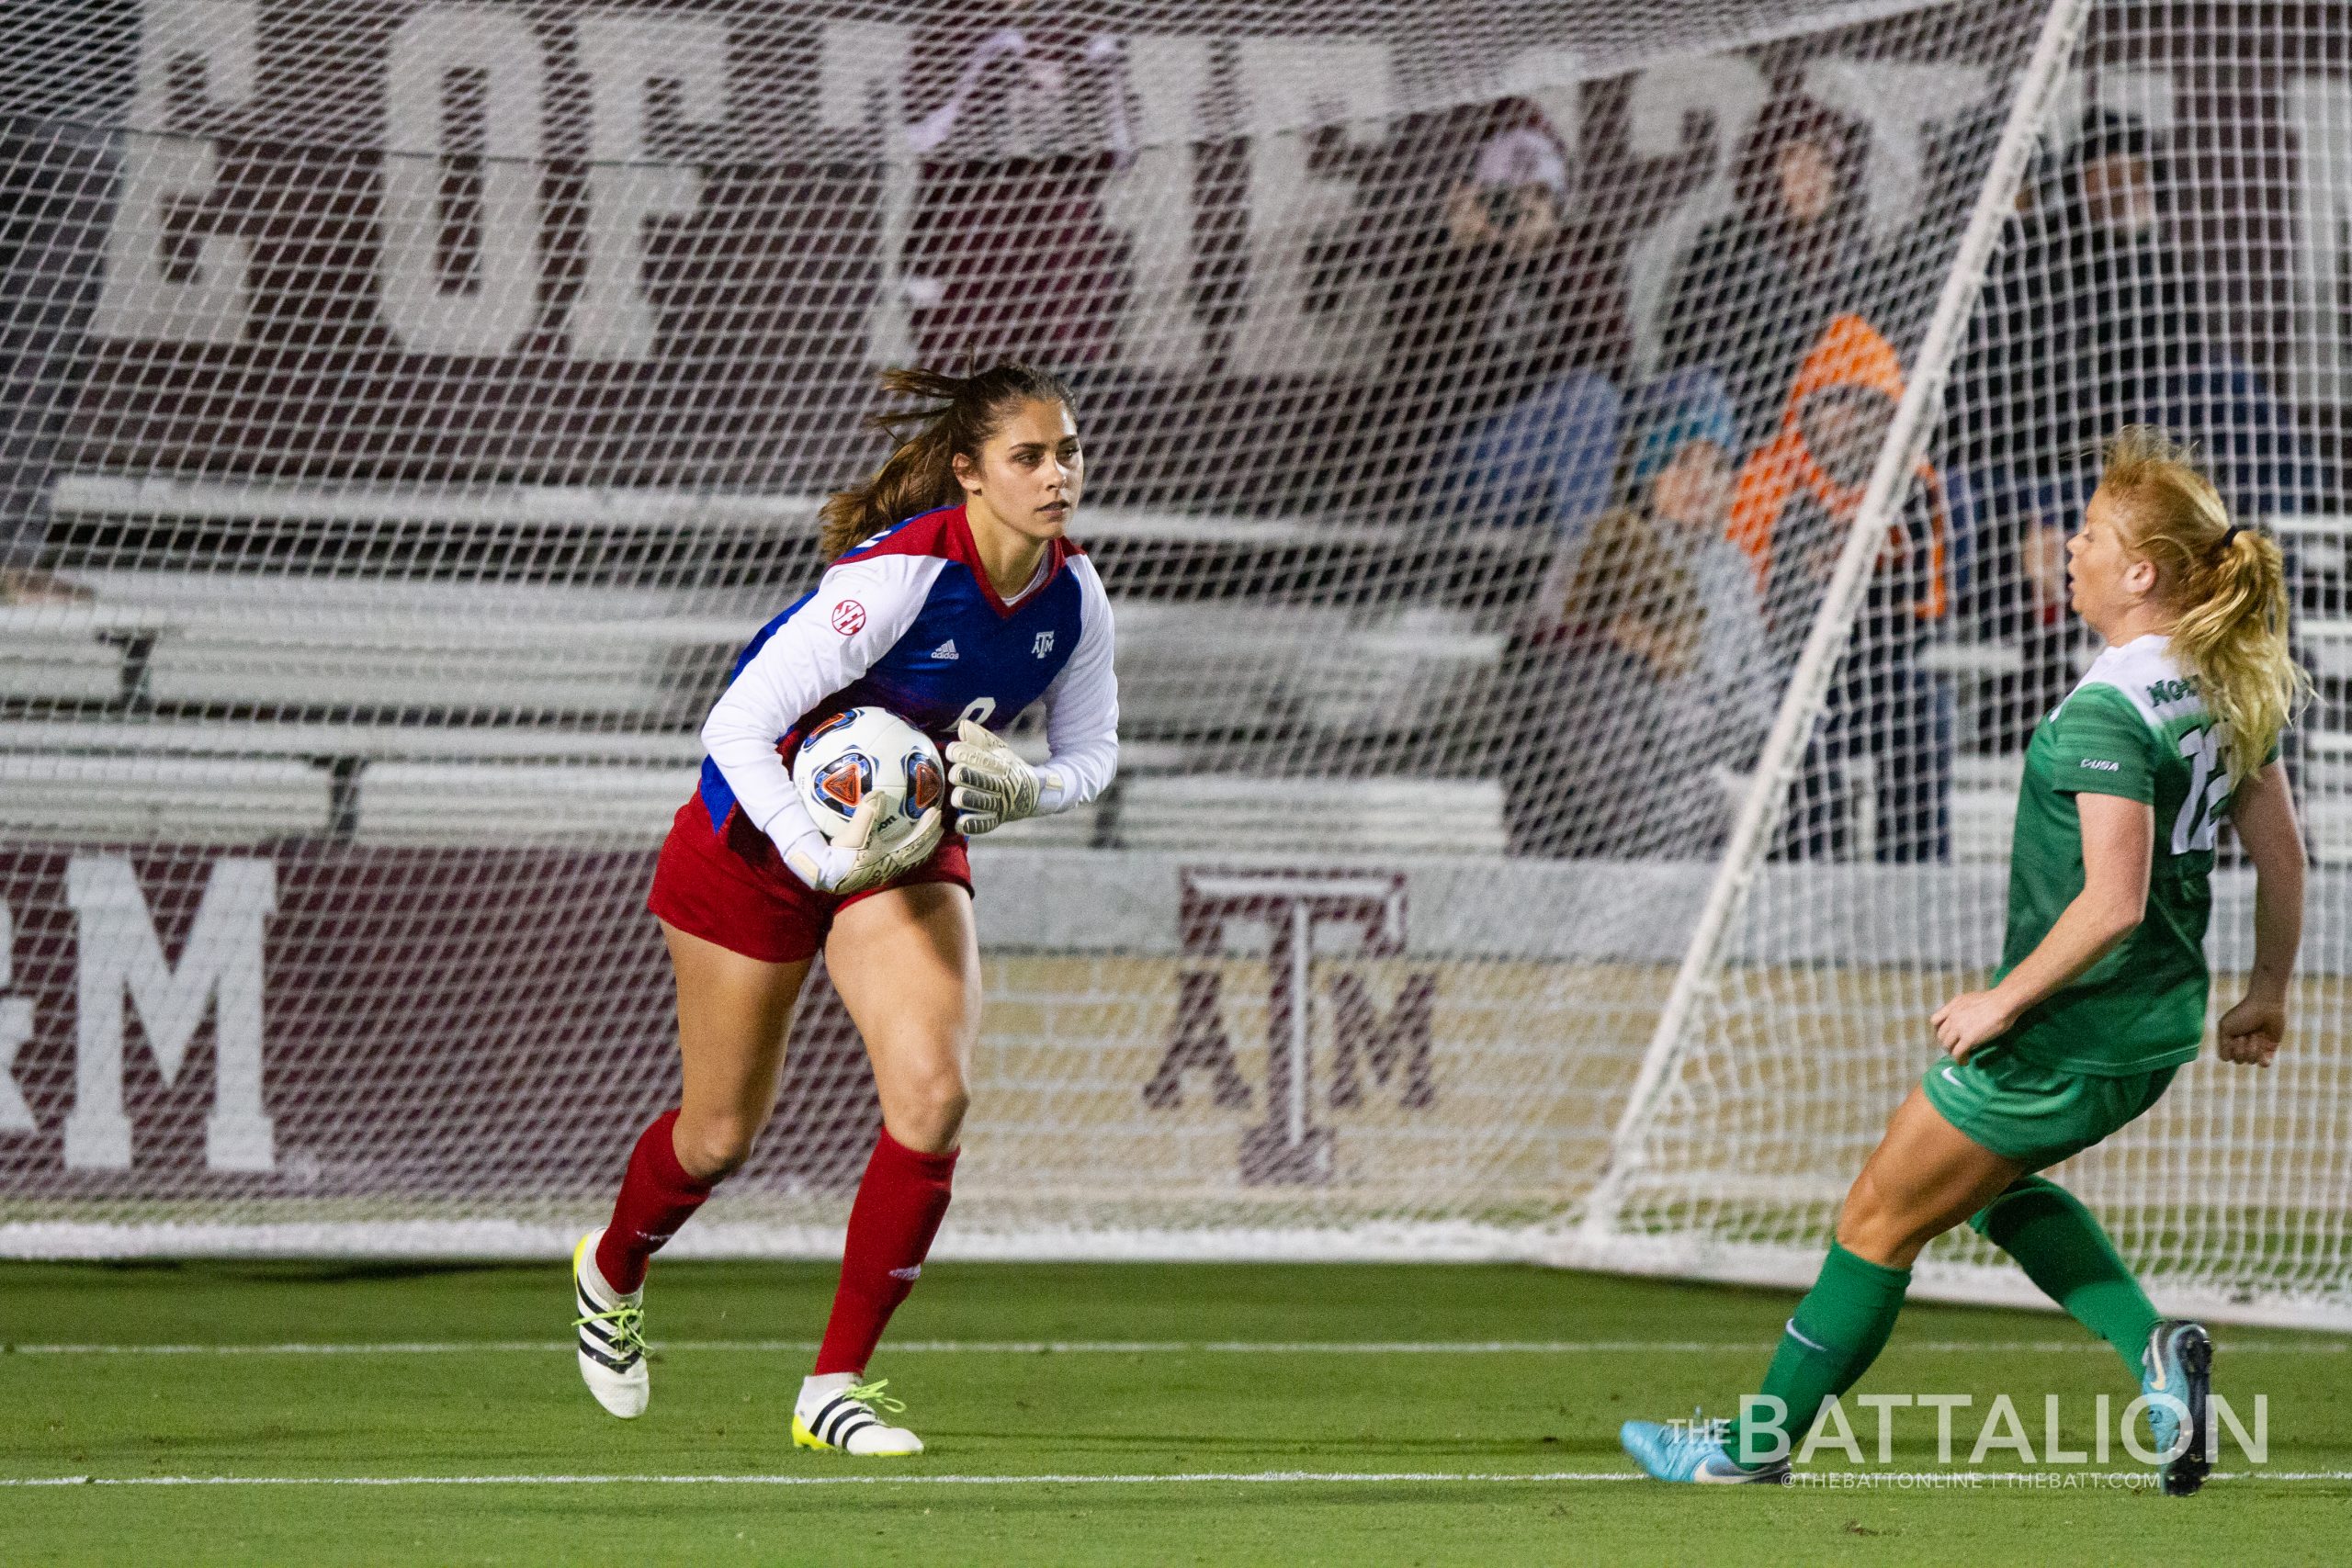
1294 918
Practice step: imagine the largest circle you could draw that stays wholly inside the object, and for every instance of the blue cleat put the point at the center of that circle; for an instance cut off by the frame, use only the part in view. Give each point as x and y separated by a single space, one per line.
1693 1450
2176 1377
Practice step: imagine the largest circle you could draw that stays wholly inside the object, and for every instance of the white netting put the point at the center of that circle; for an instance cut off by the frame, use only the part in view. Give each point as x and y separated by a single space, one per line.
2136 279
409 410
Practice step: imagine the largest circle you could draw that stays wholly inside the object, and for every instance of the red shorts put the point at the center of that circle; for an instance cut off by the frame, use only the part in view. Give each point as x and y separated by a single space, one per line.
733 888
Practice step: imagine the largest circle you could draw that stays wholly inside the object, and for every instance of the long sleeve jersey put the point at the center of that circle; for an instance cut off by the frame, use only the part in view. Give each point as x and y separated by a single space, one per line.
909 621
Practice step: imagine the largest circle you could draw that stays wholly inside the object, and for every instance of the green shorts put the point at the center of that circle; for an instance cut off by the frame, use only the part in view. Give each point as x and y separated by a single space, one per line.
2033 1114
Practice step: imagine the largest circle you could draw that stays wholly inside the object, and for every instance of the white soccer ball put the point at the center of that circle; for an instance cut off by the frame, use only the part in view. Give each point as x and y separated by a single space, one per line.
862 751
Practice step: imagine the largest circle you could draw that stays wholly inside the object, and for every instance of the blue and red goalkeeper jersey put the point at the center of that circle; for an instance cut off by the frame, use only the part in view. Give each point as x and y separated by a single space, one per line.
908 621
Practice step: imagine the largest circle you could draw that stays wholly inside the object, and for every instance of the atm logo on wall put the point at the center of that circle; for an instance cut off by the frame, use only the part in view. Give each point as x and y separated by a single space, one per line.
1297 921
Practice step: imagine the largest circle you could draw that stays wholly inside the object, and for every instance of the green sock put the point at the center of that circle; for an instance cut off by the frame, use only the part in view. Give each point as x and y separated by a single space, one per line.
2063 1250
1838 1330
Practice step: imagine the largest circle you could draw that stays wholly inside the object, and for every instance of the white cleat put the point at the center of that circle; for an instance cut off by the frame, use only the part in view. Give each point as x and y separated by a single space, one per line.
612 1336
835 1414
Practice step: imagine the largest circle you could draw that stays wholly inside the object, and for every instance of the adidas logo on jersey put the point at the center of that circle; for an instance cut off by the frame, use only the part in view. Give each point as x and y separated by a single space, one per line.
945 650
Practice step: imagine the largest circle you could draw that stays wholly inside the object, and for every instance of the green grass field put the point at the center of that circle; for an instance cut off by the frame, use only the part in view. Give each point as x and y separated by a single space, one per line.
1076 1413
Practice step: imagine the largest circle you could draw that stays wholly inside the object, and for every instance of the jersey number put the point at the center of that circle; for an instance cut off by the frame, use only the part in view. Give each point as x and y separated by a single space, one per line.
979 709
2199 822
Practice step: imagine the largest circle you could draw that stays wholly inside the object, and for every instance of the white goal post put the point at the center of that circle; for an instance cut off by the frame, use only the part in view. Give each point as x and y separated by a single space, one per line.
1766 801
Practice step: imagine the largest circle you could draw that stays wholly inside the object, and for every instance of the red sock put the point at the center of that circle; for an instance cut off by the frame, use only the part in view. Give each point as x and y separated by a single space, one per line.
900 1205
657 1197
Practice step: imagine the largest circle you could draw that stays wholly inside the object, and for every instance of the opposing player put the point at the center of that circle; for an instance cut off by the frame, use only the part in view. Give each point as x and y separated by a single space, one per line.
2100 996
953 600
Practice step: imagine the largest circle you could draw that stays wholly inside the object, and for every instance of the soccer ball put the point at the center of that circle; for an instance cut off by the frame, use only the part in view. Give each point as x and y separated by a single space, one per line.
857 753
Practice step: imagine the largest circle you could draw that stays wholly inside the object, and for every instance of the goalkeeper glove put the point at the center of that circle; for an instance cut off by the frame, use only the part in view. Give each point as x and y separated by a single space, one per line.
992 784
851 864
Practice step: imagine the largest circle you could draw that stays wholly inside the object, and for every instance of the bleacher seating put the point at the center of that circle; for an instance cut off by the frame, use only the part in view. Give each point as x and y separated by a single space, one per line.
1238 666
389 710
243 780
283 644
63 654
1247 813
108 797
1983 806
2323 773
224 706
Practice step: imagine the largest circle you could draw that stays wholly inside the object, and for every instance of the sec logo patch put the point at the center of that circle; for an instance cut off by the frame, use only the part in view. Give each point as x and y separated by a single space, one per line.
849 617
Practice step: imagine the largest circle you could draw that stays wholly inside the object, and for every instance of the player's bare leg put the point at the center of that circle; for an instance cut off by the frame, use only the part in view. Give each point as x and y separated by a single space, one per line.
733 1013
1924 1178
1927 1176
907 966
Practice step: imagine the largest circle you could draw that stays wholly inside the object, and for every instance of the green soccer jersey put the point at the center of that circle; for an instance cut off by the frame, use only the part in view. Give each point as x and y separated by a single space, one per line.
2135 727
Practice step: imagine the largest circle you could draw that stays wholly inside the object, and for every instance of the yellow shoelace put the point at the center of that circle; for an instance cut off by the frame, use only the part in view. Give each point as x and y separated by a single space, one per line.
628 1328
871 1395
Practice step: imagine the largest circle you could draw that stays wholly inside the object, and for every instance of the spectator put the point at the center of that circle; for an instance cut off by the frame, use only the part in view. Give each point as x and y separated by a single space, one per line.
1759 285
1524 280
2091 322
1647 643
1794 509
1680 472
52 239
2019 597
1586 684
2006 404
1507 327
2127 314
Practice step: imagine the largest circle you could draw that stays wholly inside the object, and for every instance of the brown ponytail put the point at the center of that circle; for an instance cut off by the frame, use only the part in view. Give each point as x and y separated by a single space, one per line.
2229 583
961 413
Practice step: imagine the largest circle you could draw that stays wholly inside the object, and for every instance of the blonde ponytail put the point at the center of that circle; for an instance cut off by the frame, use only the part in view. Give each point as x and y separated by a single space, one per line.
2228 583
961 413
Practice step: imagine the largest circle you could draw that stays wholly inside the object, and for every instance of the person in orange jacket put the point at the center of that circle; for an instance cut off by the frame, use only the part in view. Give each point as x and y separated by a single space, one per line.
1886 723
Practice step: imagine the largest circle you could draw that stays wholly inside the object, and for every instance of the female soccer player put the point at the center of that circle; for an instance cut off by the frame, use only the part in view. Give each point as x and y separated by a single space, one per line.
2100 996
953 600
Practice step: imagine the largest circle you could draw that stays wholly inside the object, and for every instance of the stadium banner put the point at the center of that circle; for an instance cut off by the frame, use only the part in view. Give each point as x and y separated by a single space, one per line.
605 246
716 224
220 1031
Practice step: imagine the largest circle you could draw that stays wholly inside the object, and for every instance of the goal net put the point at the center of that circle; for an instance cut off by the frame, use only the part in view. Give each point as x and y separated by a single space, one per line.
1865 882
1577 483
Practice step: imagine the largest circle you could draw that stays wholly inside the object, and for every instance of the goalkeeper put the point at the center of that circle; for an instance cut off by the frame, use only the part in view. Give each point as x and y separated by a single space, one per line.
2100 996
954 600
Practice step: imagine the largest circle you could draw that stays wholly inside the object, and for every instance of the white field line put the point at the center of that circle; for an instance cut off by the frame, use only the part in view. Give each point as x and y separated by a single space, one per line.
1241 1478
1143 1348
